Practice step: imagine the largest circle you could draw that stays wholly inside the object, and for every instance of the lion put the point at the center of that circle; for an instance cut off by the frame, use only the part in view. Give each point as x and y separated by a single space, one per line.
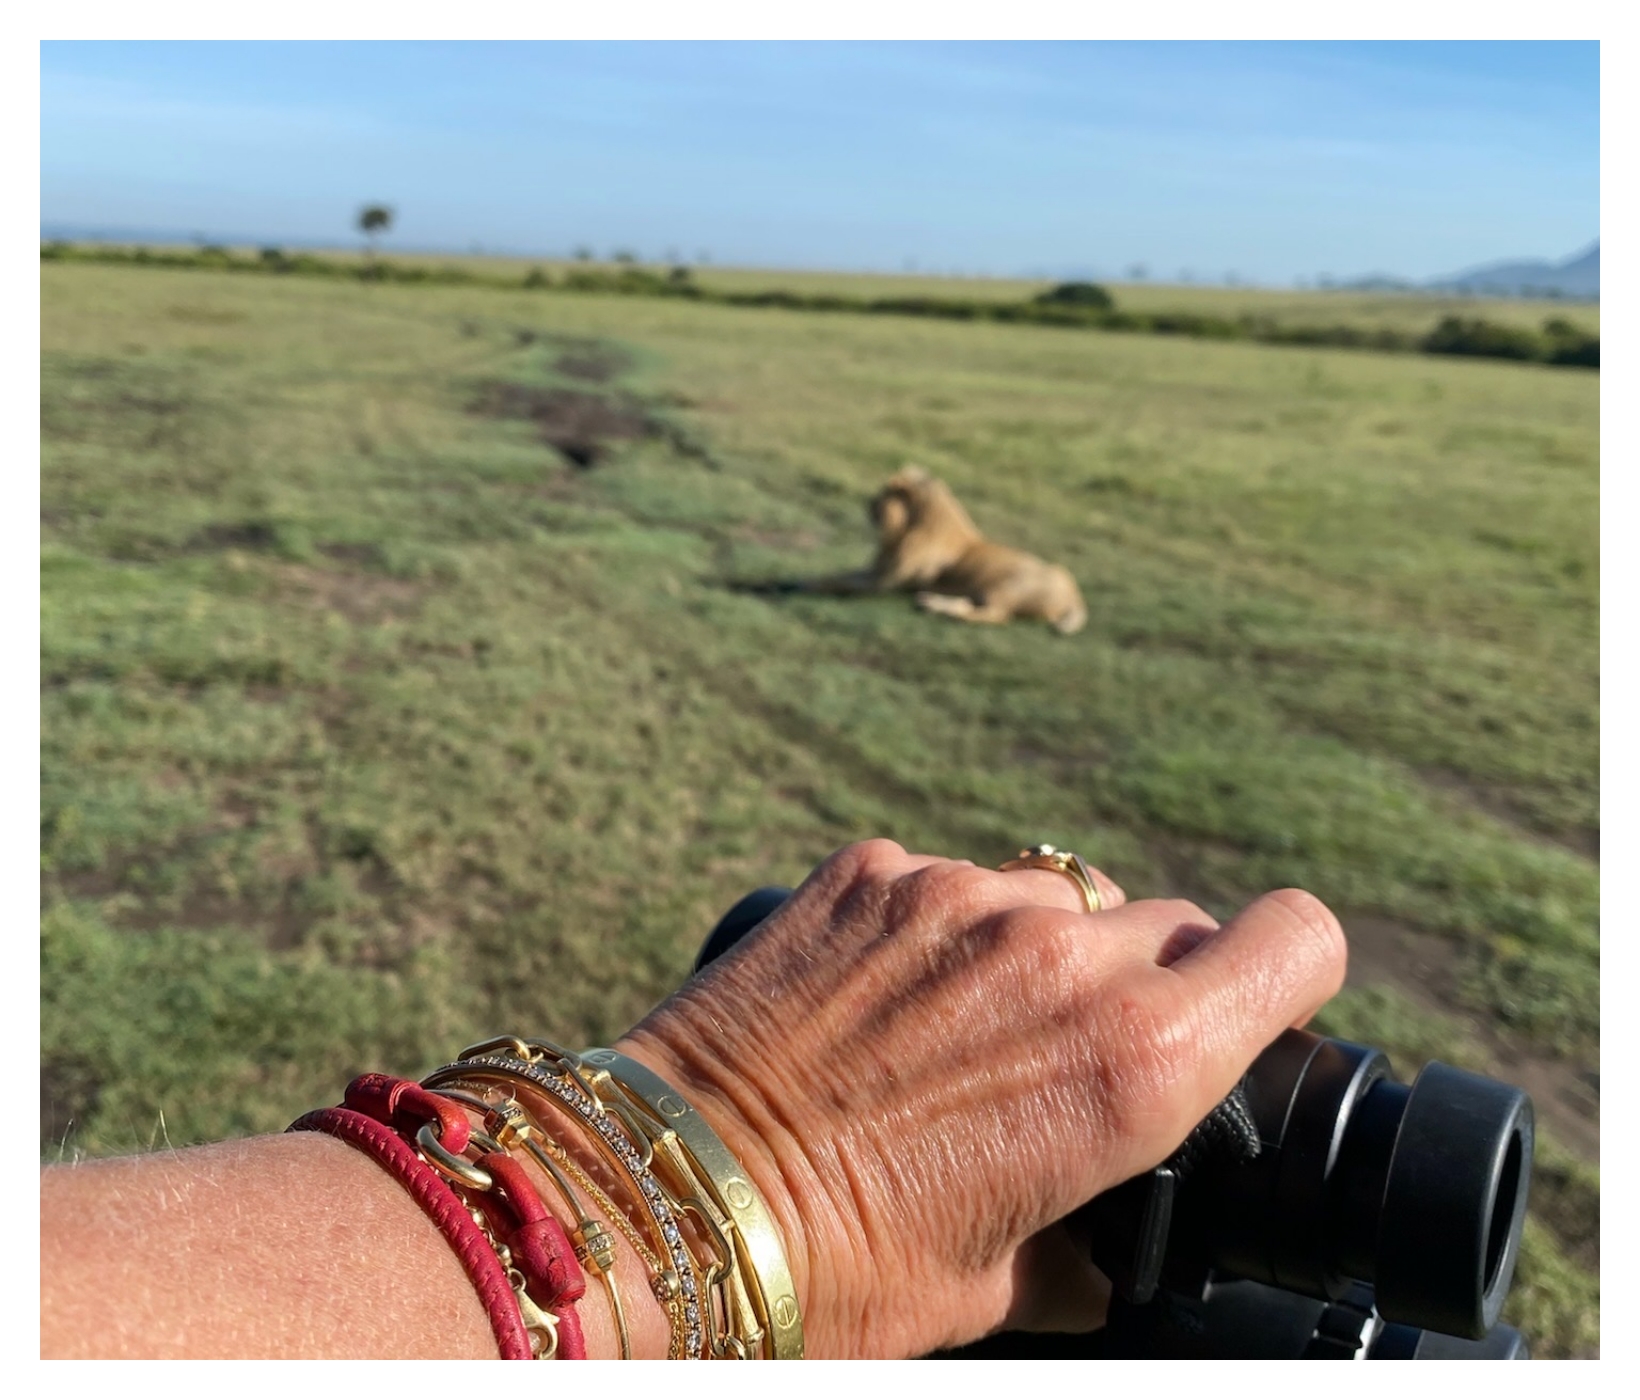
927 543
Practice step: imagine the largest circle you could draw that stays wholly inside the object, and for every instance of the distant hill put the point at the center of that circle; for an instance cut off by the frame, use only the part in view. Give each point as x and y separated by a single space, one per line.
1578 276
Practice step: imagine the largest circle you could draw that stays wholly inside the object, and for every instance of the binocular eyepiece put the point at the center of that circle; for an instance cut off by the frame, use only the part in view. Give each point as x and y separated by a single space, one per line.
1330 1175
1418 1190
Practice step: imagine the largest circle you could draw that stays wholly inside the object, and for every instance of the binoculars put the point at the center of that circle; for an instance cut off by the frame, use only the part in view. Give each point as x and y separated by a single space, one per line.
1323 1210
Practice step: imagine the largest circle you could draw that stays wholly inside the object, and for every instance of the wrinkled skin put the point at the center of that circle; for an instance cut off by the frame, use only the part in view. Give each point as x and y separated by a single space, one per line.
925 1065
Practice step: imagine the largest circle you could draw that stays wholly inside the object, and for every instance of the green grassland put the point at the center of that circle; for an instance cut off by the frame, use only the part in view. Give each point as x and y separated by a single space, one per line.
372 723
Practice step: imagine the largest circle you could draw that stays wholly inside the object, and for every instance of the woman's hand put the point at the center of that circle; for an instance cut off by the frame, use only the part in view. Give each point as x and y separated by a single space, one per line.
925 1065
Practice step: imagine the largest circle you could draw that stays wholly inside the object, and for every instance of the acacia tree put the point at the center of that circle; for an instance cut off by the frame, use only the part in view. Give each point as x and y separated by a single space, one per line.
374 220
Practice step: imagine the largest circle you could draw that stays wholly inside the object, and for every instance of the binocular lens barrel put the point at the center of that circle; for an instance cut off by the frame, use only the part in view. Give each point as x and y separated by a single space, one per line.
1419 1190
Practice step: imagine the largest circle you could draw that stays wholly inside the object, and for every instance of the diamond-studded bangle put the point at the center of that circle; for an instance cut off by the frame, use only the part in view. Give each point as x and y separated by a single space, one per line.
759 1279
548 1068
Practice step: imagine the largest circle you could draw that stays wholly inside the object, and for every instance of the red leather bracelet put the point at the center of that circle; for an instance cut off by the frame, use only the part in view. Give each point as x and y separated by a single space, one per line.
443 1207
542 1250
534 1239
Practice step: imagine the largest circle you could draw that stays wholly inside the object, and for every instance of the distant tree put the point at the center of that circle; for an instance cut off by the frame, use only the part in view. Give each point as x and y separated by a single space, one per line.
583 253
1086 294
374 220
1138 272
625 256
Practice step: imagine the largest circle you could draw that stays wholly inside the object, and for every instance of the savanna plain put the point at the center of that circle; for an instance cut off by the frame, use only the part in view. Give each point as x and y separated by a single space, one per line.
407 678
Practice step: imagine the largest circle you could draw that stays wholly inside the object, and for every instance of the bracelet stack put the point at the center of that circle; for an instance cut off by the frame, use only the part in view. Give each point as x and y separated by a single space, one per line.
610 1136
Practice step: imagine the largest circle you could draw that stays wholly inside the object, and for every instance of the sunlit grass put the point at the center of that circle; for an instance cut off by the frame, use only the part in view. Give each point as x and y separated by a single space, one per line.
371 724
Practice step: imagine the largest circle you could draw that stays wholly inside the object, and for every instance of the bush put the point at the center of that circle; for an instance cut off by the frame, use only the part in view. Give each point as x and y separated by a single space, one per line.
536 277
1085 294
1584 351
1568 345
1464 335
927 306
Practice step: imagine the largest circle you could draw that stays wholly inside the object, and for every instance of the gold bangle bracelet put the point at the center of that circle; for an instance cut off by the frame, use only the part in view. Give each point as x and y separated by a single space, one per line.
511 1127
759 1244
510 1060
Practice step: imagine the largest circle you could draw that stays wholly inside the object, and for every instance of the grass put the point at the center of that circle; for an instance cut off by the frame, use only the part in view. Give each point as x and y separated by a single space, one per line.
370 723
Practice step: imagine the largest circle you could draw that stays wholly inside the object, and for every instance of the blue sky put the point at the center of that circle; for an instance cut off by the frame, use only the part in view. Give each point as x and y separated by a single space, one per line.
1272 161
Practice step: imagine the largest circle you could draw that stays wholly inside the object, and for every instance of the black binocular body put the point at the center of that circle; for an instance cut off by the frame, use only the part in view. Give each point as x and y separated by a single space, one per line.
1323 1210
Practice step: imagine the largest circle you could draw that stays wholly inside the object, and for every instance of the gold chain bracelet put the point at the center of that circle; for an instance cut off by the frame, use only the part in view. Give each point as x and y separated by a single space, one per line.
544 1066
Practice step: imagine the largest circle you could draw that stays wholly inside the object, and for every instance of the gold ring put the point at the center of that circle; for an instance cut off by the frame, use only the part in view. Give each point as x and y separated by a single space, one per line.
1045 857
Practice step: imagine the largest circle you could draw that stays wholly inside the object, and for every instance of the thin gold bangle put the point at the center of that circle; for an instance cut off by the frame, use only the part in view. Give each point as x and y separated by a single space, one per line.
760 1246
680 1287
511 1125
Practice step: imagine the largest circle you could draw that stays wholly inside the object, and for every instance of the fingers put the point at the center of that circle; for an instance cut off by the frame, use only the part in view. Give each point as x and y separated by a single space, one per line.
1270 967
1054 890
1275 964
899 891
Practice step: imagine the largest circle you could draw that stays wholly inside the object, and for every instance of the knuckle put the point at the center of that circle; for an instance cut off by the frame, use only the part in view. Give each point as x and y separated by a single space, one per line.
1146 1047
853 886
945 896
867 862
953 885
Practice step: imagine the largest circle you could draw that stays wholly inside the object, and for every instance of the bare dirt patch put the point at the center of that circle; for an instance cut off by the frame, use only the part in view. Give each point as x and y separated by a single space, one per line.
1583 841
368 600
579 424
365 556
593 363
121 889
254 535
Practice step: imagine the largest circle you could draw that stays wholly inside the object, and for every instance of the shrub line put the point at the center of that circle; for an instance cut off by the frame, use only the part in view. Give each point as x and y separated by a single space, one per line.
1075 305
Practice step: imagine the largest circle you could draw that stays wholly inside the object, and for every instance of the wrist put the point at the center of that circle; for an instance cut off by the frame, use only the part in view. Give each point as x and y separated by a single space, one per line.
816 1239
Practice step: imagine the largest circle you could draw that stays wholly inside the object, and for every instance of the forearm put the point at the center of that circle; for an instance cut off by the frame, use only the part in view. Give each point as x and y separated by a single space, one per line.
922 1066
288 1246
